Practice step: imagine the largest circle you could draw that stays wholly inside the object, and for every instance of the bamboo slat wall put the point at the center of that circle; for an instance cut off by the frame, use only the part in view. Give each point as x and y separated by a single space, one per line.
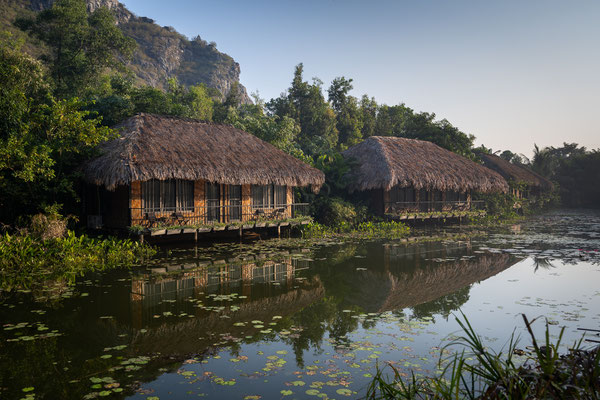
137 213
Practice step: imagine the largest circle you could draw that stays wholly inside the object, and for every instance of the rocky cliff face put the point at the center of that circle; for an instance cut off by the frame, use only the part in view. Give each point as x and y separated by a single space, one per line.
163 53
122 14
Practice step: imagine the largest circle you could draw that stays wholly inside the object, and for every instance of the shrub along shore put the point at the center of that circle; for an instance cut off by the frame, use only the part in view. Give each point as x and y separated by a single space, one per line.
45 251
27 262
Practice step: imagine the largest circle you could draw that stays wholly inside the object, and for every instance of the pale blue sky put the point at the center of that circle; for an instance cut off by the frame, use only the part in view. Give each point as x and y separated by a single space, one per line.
512 73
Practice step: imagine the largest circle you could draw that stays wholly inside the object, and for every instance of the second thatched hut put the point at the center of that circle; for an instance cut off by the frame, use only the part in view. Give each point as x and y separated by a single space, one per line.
407 175
524 183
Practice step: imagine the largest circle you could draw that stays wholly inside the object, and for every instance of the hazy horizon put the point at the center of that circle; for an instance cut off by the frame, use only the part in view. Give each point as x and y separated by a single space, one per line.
511 73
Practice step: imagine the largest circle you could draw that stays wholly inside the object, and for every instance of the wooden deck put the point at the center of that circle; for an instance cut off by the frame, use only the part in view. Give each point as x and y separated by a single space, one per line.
239 228
433 216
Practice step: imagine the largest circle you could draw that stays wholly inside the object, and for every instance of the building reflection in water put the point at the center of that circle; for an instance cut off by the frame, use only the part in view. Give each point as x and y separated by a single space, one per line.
412 275
210 298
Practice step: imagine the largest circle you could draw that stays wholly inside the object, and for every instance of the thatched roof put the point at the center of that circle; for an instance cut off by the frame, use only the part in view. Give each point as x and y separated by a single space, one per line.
384 162
163 147
517 173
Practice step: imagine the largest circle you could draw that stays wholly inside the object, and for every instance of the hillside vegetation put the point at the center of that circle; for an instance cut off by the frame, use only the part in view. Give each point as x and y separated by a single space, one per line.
161 52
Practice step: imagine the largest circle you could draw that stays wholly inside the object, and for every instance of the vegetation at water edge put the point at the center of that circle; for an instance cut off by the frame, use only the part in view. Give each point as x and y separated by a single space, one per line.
45 251
476 372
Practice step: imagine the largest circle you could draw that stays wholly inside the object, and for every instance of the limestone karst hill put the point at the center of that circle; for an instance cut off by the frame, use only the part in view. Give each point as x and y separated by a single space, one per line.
162 52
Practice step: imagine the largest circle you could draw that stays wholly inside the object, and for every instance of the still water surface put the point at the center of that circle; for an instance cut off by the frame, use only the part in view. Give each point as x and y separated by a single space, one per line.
286 319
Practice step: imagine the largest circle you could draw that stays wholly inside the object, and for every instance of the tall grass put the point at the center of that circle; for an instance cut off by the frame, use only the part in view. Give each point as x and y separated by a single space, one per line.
27 260
473 371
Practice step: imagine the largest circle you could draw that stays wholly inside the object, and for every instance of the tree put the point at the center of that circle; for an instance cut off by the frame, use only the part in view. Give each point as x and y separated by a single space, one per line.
546 161
305 103
348 115
402 121
368 116
192 102
338 93
232 102
281 132
119 99
578 177
82 46
514 158
113 100
576 171
42 140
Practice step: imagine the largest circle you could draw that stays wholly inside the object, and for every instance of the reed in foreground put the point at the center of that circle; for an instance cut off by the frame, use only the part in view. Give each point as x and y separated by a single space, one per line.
476 372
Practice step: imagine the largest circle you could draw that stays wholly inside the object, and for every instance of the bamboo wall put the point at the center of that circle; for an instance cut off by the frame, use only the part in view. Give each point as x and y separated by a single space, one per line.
137 215
135 200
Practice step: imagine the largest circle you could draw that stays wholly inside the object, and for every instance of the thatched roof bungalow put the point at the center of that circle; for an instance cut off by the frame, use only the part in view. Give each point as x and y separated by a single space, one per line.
184 171
523 181
416 175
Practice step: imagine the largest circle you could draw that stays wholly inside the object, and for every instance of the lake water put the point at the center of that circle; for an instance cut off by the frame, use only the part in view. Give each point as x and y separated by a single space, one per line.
290 319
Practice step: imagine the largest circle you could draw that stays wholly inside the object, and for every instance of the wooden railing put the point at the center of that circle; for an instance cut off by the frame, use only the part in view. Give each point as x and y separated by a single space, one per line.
431 206
206 215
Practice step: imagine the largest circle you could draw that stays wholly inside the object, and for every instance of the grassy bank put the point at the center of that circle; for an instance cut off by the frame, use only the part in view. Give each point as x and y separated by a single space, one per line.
473 371
27 260
362 230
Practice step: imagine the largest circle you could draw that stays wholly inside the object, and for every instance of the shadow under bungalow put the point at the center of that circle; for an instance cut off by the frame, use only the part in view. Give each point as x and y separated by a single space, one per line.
401 178
166 172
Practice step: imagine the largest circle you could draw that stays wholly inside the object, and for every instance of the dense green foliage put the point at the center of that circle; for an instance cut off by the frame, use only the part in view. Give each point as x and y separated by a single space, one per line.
344 120
42 139
81 45
118 98
474 371
362 230
26 261
506 207
575 169
337 217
